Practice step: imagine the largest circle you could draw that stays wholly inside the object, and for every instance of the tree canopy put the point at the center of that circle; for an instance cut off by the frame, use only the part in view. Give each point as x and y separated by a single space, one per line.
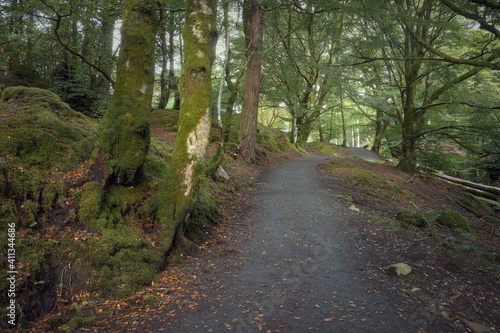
416 80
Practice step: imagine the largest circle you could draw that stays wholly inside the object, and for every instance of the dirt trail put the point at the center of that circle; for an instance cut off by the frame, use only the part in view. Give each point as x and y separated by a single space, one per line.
297 269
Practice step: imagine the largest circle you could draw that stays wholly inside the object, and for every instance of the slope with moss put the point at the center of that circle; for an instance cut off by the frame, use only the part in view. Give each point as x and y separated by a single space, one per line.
71 233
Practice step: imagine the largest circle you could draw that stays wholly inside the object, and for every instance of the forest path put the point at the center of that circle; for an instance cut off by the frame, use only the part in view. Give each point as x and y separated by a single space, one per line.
364 154
297 267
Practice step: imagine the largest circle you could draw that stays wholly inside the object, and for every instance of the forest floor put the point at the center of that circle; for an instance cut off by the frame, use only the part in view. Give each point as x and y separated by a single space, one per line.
302 246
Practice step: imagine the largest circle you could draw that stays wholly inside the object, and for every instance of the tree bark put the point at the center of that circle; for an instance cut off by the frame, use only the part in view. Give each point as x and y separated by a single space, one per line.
188 157
124 132
247 135
164 92
344 128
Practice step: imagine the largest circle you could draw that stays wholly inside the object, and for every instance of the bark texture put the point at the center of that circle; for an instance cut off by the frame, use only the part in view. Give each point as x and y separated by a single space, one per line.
124 133
247 135
188 157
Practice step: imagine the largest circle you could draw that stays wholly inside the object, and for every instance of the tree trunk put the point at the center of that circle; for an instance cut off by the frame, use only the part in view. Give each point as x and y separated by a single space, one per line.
164 92
253 21
188 157
380 128
124 132
344 129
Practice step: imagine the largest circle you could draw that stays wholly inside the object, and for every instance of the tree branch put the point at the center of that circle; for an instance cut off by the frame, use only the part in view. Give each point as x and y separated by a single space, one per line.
67 48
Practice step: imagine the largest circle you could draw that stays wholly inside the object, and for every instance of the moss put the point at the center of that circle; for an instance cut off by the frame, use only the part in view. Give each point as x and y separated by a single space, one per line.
407 216
329 149
31 209
26 184
90 203
155 167
366 178
124 132
4 182
78 322
123 256
34 133
487 203
397 190
124 135
266 138
492 219
35 96
204 214
54 193
418 193
469 206
454 220
168 118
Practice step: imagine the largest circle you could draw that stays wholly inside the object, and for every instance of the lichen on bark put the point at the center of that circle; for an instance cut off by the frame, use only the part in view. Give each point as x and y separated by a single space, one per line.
188 157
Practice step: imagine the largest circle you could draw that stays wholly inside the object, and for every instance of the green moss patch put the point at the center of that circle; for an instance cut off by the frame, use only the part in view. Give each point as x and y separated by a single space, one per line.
366 178
454 220
38 129
469 206
273 140
167 118
329 149
412 218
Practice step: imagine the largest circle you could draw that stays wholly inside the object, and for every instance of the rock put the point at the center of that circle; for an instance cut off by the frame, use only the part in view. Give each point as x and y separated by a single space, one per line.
476 327
398 269
354 208
445 315
222 173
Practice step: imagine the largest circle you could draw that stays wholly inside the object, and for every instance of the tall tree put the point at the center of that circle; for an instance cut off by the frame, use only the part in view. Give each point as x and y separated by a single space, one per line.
124 132
301 68
253 23
188 157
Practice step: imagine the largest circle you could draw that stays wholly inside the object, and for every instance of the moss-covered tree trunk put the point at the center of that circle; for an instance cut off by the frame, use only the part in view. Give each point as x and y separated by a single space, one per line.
188 157
124 132
253 17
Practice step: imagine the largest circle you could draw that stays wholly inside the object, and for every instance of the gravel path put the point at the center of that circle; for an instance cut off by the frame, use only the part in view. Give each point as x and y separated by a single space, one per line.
297 268
364 154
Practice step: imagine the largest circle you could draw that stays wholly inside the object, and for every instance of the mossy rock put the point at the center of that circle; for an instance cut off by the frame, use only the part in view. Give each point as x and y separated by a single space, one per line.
454 220
413 218
37 129
35 96
366 178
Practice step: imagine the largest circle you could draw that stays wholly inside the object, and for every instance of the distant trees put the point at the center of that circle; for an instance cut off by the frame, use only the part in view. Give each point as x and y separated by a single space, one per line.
334 71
